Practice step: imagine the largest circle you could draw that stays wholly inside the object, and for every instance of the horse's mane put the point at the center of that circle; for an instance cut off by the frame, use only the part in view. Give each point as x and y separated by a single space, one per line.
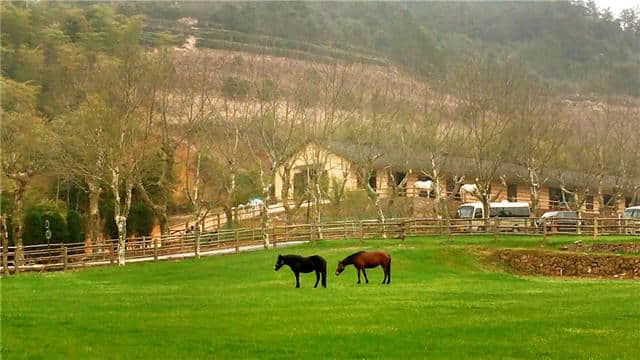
349 258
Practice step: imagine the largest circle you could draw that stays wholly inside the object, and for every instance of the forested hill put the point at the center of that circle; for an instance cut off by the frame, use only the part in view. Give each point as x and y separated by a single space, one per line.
576 47
573 45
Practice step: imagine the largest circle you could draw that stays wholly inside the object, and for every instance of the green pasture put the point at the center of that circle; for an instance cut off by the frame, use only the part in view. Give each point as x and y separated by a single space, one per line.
444 302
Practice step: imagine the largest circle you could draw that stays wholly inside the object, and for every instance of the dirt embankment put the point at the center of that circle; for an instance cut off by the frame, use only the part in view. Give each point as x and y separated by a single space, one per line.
553 263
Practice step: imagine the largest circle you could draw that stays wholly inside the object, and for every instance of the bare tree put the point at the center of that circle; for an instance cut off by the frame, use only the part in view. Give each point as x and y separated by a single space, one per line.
194 103
160 87
538 132
99 140
321 122
275 136
23 136
366 134
435 137
486 105
626 163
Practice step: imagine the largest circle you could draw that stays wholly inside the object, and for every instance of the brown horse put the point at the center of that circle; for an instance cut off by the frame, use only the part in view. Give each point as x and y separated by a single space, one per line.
365 260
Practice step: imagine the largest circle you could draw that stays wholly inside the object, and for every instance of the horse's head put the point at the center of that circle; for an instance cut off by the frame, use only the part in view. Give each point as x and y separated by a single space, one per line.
279 263
340 268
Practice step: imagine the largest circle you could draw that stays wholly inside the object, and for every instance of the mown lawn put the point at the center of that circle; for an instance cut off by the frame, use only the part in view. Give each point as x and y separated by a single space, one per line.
442 303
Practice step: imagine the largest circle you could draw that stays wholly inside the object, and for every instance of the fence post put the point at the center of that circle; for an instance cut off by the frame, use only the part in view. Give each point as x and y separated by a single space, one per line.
544 231
237 238
5 250
197 244
361 231
311 233
496 228
344 229
65 258
595 228
112 258
155 248
144 246
274 236
286 232
403 223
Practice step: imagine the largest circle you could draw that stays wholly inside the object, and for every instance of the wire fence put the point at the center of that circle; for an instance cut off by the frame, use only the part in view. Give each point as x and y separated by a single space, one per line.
52 257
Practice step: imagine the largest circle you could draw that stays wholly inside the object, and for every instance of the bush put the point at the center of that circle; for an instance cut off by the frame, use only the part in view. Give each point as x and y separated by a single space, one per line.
34 226
235 88
140 220
74 227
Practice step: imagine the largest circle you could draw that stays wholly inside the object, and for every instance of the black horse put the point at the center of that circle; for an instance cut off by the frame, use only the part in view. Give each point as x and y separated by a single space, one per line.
299 264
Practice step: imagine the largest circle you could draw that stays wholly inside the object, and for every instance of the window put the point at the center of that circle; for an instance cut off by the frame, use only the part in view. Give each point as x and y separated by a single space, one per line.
497 211
512 192
373 182
300 183
608 200
589 202
478 214
465 212
555 198
397 178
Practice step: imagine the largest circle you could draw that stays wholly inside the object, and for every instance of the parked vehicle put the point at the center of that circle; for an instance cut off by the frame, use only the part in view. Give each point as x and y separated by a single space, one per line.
560 221
511 214
631 218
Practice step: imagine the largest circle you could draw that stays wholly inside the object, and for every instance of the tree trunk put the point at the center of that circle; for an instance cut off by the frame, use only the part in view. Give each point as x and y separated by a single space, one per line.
228 213
264 215
197 239
93 225
163 221
5 244
121 222
16 221
284 194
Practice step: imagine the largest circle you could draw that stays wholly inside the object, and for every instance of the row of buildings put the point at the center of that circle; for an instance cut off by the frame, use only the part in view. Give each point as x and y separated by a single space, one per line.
338 163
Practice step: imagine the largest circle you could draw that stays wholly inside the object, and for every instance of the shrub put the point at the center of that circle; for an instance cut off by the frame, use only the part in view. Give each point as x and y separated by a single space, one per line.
34 226
235 88
140 220
74 227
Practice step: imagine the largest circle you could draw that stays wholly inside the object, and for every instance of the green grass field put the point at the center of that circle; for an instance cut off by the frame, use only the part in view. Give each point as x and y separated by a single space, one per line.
442 303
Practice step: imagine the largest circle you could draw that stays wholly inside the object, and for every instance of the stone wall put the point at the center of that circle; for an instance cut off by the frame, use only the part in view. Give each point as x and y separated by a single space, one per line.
553 263
630 247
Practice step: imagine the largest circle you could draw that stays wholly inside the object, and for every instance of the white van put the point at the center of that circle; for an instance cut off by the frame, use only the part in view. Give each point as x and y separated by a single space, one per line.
513 214
632 213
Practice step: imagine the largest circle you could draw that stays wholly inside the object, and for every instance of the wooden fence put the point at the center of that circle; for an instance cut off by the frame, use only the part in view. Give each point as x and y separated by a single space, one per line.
48 257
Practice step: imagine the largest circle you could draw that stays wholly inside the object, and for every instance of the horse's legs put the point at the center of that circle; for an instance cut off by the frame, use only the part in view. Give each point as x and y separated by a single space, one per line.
385 271
297 279
317 279
358 275
324 278
365 276
389 272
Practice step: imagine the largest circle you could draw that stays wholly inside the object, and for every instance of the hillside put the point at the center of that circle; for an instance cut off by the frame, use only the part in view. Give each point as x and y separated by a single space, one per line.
571 45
